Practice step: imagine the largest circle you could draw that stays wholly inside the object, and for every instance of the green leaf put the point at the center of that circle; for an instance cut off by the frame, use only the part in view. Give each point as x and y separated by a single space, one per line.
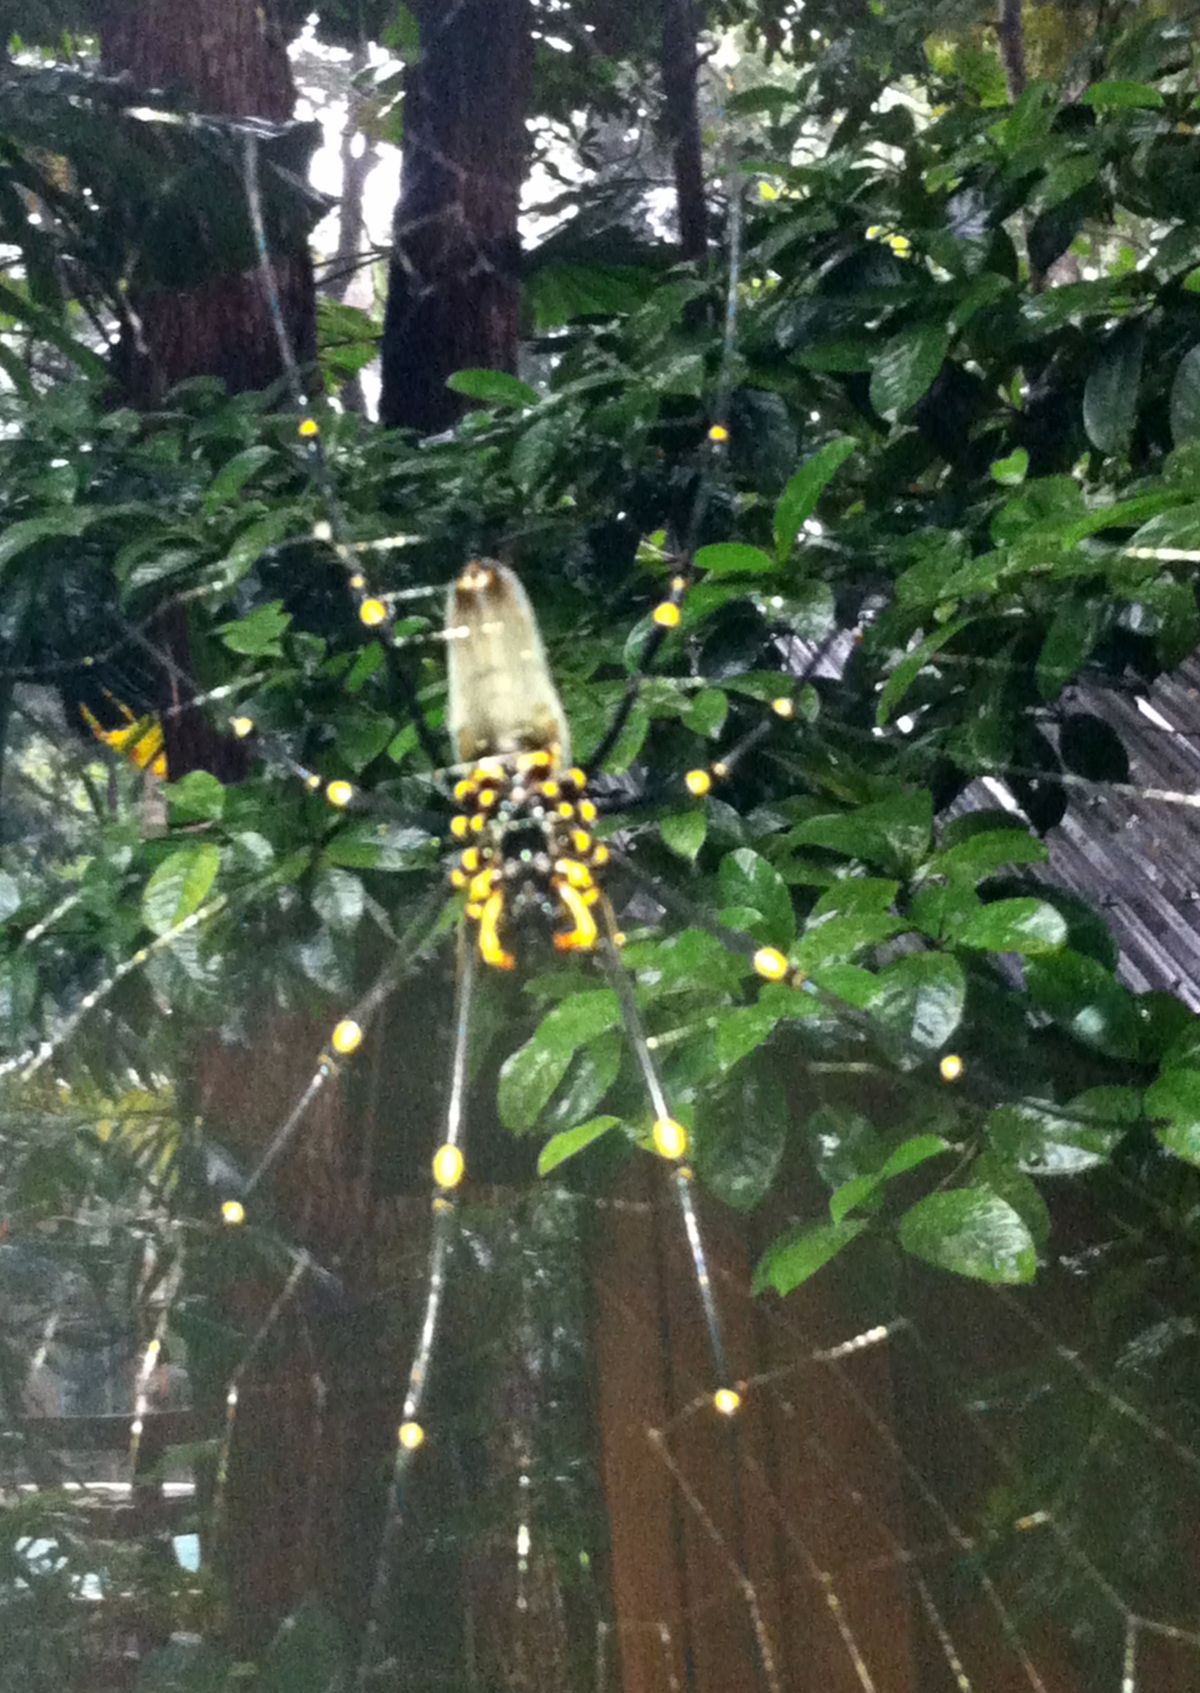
973 1232
893 833
571 1142
740 1137
256 539
982 855
179 886
684 832
917 1150
260 634
195 798
706 713
1026 925
1073 632
235 473
732 558
799 499
746 879
339 899
1175 1099
1050 1140
921 997
744 1029
1185 398
1086 999
1120 96
911 666
796 1257
1110 395
530 1075
493 387
907 367
1010 471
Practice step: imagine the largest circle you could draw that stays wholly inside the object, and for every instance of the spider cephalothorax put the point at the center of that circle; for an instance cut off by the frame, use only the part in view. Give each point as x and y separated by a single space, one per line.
523 812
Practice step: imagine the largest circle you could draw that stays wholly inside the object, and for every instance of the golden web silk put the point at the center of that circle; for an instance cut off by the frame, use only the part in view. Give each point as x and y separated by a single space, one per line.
502 696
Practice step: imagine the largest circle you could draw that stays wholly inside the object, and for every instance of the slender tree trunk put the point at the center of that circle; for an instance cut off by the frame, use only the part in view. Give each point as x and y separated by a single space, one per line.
454 286
679 61
1010 33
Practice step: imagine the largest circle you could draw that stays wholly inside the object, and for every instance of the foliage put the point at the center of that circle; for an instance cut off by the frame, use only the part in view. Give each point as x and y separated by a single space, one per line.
990 475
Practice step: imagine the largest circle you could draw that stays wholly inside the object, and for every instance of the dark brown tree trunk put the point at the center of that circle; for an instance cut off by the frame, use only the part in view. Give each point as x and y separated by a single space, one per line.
346 263
679 63
228 58
454 284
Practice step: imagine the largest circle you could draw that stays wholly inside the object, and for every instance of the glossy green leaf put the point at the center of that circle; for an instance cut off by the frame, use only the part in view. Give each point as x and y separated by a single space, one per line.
921 997
1185 398
733 558
893 833
746 879
530 1075
179 886
1026 925
260 633
1010 472
906 368
1110 395
196 798
973 1232
795 1258
1173 1105
571 1142
684 832
493 387
1087 1000
799 499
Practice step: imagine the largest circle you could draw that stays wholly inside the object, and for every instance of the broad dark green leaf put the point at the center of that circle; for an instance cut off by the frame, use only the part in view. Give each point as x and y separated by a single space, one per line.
906 368
921 997
1087 1000
973 1232
748 880
1110 395
530 1075
1185 398
1173 1104
733 558
1026 925
684 832
893 833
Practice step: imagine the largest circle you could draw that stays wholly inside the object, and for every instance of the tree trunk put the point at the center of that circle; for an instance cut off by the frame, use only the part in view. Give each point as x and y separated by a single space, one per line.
679 61
346 264
454 286
230 60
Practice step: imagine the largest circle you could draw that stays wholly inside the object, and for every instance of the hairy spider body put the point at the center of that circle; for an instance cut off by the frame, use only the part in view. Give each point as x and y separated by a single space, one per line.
523 811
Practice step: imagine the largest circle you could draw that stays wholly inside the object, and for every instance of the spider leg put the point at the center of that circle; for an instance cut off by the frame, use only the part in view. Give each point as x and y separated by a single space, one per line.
448 1169
670 1142
344 1041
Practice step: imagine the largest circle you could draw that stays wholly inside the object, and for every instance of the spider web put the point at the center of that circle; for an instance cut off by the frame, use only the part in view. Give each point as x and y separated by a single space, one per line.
932 1486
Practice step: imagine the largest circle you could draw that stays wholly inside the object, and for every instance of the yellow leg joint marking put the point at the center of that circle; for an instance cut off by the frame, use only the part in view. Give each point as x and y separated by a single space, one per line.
372 613
582 938
718 434
448 1166
410 1435
233 1213
490 948
460 826
670 1138
242 726
575 874
698 782
600 853
951 1067
346 1037
308 429
771 964
339 794
666 615
728 1401
784 706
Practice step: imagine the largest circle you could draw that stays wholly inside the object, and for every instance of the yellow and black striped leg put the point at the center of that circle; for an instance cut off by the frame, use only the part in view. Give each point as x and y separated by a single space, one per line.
671 1143
448 1170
